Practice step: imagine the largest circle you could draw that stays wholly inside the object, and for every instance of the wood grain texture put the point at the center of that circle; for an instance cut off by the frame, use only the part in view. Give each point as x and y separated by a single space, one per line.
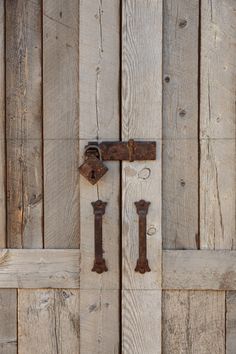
218 133
99 69
24 124
218 194
141 321
179 333
193 322
141 119
99 42
205 269
99 321
2 129
61 102
141 97
48 321
39 268
61 187
8 324
230 325
180 123
61 69
218 125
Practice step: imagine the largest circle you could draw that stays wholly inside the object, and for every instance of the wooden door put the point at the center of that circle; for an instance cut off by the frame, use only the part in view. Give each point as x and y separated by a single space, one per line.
72 72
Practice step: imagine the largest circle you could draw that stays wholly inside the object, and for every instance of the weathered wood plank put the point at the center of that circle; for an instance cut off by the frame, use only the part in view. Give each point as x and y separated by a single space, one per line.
230 324
61 102
205 269
61 186
2 129
39 268
8 324
99 43
218 193
24 124
218 125
99 317
193 322
141 321
61 64
141 119
141 102
99 69
48 321
8 300
180 124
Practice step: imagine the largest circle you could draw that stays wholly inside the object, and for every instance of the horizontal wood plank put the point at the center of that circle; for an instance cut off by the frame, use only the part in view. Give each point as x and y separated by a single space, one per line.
59 268
39 268
205 269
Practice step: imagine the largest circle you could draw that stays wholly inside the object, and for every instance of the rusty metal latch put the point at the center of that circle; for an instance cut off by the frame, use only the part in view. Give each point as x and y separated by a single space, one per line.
93 167
142 262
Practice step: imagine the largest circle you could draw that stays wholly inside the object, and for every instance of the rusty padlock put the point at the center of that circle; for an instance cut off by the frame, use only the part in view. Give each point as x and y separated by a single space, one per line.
93 168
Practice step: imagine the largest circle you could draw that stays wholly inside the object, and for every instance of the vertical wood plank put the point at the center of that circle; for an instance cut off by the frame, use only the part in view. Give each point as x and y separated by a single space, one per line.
2 129
99 70
48 321
99 321
180 124
8 300
141 119
218 125
218 134
60 107
8 324
141 321
24 124
230 321
193 322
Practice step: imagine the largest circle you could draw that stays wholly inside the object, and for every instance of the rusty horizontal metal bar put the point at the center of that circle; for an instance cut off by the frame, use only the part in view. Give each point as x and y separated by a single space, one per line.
127 150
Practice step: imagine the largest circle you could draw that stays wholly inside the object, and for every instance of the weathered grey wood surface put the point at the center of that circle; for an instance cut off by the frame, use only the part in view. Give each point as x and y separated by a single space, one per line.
205 269
194 322
24 124
141 119
8 317
218 126
218 133
39 268
2 129
182 17
99 52
66 84
61 122
48 321
180 124
180 150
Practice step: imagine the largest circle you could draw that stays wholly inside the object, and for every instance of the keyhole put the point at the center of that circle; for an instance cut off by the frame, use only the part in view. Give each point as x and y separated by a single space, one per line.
92 175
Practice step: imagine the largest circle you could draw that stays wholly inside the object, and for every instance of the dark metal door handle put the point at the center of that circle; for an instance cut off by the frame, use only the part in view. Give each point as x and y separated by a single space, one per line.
142 262
99 262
